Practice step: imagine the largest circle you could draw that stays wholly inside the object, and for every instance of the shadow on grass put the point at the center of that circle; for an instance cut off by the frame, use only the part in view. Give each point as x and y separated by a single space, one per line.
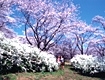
100 75
4 78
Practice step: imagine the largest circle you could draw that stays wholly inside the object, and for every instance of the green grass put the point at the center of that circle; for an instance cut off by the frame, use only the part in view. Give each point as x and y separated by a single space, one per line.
41 75
8 77
66 74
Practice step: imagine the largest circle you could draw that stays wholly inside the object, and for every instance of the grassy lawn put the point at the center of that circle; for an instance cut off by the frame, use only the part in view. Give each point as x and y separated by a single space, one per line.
67 74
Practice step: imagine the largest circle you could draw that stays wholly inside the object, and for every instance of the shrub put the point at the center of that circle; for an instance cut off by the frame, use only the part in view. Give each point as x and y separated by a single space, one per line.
88 63
18 57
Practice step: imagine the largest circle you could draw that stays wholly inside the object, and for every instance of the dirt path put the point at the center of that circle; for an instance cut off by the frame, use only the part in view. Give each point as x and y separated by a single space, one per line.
25 78
64 76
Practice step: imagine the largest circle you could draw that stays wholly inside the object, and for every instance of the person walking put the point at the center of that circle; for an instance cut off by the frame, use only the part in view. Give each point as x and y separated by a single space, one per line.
60 61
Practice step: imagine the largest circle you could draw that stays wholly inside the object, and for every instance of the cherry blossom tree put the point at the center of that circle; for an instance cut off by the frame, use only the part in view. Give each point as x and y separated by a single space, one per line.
78 40
5 11
100 44
83 34
100 20
46 21
5 17
69 48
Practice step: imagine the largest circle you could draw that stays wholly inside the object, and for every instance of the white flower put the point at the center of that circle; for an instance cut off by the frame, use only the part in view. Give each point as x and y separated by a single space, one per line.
24 55
88 63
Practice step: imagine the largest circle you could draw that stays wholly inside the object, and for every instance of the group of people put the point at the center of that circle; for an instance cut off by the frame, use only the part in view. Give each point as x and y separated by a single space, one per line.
60 61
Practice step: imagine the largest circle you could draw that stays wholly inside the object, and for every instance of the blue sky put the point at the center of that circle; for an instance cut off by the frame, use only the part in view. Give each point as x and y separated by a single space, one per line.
90 8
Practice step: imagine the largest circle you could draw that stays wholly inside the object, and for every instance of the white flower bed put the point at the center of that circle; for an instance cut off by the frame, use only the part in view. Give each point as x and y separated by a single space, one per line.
15 56
88 63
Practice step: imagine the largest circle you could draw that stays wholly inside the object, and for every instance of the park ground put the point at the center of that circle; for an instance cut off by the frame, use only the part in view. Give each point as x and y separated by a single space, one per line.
67 74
